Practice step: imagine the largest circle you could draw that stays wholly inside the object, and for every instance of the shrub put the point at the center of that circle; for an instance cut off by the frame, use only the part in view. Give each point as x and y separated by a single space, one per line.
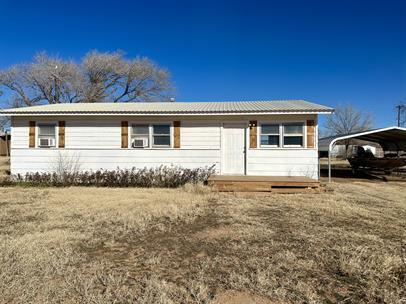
163 176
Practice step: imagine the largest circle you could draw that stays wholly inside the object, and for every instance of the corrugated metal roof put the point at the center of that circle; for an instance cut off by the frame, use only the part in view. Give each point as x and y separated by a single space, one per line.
174 108
390 139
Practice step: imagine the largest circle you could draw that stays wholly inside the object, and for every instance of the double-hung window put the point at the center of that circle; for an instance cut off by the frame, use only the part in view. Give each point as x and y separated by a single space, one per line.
47 135
140 136
293 135
161 135
151 136
270 135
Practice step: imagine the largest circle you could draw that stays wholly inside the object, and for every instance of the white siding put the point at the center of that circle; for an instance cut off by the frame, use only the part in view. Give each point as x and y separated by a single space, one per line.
33 160
96 143
93 134
283 162
19 134
200 134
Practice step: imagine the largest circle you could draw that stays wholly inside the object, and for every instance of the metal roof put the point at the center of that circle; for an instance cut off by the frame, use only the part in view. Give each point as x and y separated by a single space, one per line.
181 108
390 139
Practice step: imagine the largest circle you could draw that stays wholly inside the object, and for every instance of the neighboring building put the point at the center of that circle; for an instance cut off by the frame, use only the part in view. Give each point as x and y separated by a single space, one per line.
4 144
276 138
339 150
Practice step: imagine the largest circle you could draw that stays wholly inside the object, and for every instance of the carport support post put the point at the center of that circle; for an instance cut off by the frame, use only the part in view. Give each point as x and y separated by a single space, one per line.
329 164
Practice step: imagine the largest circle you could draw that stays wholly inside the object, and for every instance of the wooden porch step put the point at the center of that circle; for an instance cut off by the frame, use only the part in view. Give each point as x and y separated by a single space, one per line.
277 184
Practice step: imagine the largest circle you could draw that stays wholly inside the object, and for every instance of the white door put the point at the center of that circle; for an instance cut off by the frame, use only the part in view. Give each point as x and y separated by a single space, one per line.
233 148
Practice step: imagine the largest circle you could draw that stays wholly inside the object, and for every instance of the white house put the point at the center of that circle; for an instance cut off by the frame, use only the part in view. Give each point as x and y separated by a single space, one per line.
275 138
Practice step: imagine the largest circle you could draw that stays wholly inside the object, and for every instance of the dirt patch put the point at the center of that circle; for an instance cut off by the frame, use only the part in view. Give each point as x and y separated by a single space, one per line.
240 297
216 233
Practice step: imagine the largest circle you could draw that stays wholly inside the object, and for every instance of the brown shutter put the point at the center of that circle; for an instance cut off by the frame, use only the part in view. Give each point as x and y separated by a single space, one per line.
32 134
311 134
61 133
253 134
176 134
124 134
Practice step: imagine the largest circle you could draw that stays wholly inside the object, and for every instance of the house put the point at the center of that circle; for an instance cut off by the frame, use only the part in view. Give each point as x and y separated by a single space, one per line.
274 138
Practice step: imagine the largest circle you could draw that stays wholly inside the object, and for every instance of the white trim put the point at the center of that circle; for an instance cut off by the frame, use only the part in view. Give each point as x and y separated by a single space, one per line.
37 124
260 133
303 135
281 136
150 135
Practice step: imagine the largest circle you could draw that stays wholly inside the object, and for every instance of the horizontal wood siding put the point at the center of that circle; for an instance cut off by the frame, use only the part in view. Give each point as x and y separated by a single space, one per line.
19 134
92 134
32 160
200 134
282 162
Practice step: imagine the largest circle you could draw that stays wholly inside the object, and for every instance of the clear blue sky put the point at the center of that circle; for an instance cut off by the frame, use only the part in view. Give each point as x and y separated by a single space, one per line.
323 51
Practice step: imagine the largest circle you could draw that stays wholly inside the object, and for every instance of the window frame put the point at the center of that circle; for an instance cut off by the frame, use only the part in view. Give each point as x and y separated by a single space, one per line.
282 135
303 145
170 135
39 136
272 134
132 135
150 125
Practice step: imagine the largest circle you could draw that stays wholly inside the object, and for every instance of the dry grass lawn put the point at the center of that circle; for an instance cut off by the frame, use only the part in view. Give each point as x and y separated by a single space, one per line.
191 245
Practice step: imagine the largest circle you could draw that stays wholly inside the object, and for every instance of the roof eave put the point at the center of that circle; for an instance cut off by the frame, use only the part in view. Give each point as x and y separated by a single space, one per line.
121 113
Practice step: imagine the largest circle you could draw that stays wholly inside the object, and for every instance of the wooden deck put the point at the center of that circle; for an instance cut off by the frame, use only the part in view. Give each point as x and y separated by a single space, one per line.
278 184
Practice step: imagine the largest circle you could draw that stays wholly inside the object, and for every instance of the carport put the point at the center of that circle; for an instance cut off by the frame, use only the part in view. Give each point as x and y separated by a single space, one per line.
390 139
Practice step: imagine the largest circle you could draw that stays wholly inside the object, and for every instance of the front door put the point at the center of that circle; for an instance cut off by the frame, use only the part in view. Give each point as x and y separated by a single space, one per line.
234 148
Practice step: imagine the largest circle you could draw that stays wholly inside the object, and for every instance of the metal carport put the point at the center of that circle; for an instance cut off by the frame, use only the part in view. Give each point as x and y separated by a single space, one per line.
390 139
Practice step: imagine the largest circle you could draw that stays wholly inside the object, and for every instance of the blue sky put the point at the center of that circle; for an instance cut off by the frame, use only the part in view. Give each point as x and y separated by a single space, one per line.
329 52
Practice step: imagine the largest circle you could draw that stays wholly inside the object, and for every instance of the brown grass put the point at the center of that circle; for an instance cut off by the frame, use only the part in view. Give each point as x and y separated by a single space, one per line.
191 245
4 165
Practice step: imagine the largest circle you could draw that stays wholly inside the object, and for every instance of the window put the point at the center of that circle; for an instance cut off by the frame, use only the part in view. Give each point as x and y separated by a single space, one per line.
161 135
47 135
270 136
293 135
147 136
140 136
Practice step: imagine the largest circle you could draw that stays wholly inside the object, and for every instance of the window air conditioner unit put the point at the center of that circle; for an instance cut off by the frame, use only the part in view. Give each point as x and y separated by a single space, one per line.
47 142
140 143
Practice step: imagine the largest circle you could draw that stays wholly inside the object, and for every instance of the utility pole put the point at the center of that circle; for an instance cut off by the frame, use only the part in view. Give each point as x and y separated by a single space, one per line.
400 108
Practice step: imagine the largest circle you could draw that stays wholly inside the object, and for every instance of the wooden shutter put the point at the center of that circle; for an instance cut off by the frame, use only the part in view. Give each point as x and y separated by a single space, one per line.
32 134
311 134
253 134
176 134
61 134
124 134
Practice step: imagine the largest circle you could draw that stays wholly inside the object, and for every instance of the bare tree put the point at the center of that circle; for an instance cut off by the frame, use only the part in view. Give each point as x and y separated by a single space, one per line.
47 79
346 120
99 77
111 77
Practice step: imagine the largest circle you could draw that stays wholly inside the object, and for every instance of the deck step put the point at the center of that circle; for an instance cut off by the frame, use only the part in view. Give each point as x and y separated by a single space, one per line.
276 184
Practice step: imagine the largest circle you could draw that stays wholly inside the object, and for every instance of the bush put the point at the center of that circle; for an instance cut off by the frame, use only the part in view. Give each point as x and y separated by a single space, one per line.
164 177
